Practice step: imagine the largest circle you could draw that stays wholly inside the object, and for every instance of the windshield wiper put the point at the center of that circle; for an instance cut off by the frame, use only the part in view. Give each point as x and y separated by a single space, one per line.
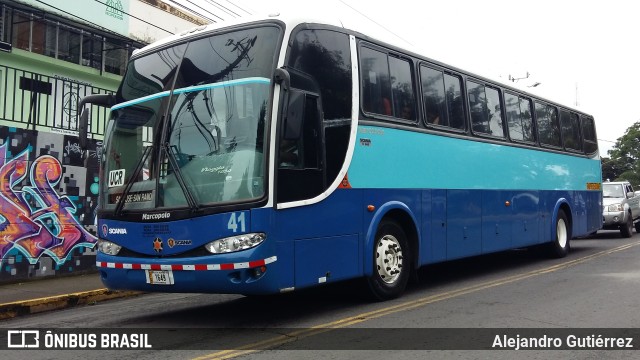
193 205
129 183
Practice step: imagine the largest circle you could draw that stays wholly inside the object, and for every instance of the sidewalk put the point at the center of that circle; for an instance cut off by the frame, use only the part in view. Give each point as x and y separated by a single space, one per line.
53 294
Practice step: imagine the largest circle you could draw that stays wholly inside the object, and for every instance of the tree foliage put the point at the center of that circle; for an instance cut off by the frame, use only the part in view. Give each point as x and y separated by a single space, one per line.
624 162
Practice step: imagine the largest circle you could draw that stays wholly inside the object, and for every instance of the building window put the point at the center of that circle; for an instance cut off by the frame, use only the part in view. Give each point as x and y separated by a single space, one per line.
69 44
115 57
32 32
91 50
21 30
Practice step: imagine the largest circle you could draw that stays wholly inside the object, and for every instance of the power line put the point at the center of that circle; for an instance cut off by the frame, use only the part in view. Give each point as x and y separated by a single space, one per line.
191 10
375 22
236 5
230 12
135 17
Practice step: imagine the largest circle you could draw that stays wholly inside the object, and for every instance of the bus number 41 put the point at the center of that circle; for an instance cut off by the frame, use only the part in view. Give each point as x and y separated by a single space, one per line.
236 221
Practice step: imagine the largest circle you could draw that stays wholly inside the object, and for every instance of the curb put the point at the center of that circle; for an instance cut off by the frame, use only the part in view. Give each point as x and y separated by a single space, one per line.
58 302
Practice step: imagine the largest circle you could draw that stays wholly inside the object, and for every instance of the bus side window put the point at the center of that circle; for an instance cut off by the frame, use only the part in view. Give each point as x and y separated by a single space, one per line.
589 135
376 86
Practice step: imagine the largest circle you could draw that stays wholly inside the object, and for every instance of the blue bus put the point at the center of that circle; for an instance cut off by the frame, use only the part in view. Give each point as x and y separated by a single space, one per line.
277 154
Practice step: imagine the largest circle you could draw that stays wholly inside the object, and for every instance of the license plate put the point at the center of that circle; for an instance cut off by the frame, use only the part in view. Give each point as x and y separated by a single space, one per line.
159 277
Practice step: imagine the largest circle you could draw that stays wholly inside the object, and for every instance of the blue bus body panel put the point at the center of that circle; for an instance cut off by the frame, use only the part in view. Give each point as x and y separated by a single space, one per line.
150 243
475 196
464 197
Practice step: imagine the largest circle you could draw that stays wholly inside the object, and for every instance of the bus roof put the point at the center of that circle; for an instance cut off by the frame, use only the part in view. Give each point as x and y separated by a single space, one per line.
351 22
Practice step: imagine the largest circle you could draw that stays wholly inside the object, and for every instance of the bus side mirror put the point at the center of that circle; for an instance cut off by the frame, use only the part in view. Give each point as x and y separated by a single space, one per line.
106 100
282 77
83 125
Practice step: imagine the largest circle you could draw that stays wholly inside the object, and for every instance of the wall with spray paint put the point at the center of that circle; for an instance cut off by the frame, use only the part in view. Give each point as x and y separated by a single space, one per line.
47 204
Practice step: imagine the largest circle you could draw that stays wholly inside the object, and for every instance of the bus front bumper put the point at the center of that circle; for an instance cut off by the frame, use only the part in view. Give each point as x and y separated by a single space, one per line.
197 274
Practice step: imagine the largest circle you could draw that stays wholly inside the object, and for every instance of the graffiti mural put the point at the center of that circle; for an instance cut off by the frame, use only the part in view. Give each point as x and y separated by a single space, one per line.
47 204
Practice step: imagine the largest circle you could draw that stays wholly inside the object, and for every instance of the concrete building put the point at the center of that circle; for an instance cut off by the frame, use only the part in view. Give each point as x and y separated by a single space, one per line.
52 53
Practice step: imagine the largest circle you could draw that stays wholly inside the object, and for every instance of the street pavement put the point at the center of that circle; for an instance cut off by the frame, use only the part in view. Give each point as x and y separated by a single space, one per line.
54 293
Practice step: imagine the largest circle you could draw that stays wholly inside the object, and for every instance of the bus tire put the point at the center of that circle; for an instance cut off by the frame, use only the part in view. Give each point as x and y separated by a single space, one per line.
626 230
391 262
560 246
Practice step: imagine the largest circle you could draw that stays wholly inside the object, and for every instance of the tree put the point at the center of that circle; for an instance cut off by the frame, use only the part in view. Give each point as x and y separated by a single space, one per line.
625 156
610 170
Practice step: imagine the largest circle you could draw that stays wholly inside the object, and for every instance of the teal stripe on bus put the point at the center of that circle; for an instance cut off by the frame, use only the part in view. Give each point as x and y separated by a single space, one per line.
251 80
393 158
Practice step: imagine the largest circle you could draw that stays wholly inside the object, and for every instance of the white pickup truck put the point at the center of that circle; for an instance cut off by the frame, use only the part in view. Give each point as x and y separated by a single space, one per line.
621 208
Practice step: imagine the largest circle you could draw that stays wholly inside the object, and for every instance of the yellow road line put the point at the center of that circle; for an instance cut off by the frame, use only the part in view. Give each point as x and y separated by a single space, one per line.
352 320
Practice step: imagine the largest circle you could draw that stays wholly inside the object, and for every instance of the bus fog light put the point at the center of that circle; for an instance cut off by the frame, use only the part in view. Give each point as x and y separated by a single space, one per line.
235 243
107 247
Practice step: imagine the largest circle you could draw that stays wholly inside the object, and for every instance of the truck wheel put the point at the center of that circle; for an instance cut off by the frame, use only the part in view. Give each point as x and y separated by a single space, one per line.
626 230
391 262
560 246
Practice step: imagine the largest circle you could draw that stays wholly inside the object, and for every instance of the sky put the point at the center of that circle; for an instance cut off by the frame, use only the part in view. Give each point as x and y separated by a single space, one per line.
584 54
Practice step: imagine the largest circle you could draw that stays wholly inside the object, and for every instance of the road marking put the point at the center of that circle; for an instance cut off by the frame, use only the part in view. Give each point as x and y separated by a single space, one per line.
352 320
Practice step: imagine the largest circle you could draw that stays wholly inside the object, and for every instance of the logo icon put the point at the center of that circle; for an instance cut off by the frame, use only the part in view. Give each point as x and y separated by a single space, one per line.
171 242
157 245
20 339
105 230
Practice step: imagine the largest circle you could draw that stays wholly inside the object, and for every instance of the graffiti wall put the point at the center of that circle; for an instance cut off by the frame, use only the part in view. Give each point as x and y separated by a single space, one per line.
47 204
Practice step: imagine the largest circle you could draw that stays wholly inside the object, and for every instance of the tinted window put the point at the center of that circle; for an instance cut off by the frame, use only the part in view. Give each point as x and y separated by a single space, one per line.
519 118
570 130
589 133
486 113
376 88
442 98
433 96
455 105
494 112
387 88
402 89
548 129
326 57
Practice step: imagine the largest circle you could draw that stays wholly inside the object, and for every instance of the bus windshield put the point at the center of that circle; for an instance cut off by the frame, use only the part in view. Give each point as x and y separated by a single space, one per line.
189 125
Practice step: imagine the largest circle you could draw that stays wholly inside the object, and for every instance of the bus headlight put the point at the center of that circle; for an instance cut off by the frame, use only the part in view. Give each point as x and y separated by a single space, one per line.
615 207
107 247
235 243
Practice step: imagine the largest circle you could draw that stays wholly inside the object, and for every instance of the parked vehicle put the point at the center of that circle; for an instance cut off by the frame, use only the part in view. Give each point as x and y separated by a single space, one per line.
621 207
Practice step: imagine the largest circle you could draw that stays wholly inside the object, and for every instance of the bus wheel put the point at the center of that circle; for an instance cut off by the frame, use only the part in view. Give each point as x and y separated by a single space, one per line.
561 245
391 262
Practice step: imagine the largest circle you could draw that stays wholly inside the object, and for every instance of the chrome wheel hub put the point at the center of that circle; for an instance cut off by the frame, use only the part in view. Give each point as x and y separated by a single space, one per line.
389 259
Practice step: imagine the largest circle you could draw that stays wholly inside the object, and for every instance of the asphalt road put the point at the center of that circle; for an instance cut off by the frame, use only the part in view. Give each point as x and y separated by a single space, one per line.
595 287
